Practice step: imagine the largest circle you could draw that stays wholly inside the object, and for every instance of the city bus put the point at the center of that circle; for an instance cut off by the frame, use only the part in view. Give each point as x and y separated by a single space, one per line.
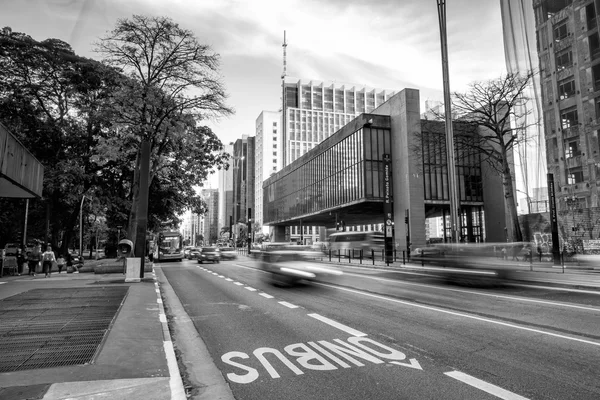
168 245
344 242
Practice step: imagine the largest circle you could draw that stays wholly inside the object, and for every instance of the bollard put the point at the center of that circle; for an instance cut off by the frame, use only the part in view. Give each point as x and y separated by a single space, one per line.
350 254
340 256
403 259
361 256
373 256
329 255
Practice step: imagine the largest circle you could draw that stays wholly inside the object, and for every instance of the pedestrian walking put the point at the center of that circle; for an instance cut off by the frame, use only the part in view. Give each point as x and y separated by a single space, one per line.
504 253
48 259
34 258
60 261
539 252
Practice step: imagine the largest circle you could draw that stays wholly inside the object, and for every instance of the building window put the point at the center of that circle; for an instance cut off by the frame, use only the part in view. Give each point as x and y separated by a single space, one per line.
564 60
275 146
274 161
560 30
590 16
596 76
274 154
274 124
594 41
568 118
574 177
597 107
566 89
572 149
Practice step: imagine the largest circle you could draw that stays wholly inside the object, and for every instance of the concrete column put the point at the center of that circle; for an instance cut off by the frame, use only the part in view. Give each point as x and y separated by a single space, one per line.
278 233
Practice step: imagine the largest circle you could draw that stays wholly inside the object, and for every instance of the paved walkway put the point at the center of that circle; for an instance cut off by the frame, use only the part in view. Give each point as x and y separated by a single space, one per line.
135 361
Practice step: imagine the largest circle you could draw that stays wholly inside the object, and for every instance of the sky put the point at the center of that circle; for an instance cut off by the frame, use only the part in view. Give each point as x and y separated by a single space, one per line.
387 44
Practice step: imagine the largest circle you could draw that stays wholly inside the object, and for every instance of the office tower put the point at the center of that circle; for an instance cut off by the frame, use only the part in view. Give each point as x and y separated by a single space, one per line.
314 110
225 189
569 54
268 156
243 162
210 227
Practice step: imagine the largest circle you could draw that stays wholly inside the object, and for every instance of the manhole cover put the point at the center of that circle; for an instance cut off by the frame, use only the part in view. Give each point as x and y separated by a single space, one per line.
45 328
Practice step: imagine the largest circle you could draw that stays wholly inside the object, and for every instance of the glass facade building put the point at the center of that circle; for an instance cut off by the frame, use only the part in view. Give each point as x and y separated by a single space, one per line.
346 169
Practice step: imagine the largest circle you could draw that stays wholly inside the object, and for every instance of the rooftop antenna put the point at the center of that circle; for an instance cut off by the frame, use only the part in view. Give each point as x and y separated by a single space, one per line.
284 57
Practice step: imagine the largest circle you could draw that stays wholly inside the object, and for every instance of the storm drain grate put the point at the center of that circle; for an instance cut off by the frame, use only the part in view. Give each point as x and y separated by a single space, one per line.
46 328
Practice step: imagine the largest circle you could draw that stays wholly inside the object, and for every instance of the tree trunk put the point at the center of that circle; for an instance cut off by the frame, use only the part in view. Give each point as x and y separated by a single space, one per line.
135 190
513 227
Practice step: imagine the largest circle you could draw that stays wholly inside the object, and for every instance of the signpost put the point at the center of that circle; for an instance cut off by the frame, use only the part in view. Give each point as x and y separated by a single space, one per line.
553 220
388 210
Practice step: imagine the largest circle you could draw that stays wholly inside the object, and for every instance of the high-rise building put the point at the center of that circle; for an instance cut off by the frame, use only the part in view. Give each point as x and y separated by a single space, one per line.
267 154
210 230
243 181
225 189
568 45
313 111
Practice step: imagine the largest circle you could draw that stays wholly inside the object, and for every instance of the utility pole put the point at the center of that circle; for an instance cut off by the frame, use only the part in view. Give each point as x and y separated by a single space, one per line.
452 185
249 228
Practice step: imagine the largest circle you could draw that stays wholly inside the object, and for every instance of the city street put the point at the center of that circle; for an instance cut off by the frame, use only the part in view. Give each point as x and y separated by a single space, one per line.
382 335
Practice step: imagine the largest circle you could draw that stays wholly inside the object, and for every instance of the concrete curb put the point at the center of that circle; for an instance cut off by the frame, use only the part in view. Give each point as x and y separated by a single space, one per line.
175 382
201 369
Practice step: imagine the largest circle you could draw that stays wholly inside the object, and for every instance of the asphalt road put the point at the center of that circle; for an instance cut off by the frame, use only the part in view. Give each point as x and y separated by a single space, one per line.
382 335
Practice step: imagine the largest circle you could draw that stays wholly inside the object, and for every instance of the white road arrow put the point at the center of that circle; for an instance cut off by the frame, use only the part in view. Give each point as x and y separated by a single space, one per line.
413 363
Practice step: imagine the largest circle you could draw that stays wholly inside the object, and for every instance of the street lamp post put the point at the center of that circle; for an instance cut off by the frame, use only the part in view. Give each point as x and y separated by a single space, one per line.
81 226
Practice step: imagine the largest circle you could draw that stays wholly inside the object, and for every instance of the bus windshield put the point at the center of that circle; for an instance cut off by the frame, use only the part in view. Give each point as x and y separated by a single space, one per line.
169 243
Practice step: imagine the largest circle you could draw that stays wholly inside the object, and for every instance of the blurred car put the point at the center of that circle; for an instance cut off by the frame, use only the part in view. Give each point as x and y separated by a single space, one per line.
288 264
194 253
186 252
209 254
228 253
469 263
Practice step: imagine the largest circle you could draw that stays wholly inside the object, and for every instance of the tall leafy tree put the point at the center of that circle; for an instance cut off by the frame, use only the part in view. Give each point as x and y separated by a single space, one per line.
53 100
176 87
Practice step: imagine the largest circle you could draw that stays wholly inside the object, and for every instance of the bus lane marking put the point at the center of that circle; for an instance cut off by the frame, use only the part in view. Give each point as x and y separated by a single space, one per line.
288 305
238 283
250 288
229 279
266 296
324 356
485 386
337 325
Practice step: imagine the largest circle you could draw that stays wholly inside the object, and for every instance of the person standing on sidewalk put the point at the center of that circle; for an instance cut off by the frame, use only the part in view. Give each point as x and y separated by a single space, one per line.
20 260
539 251
34 258
61 263
48 259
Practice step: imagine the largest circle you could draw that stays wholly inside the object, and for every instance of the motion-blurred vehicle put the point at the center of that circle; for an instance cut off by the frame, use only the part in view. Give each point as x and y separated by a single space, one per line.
209 254
357 242
288 264
186 252
469 263
194 253
228 253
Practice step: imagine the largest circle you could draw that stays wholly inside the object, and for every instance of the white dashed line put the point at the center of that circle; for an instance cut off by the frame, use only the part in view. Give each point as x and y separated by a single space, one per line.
159 301
229 279
250 289
486 387
288 305
268 296
337 325
238 283
221 276
162 317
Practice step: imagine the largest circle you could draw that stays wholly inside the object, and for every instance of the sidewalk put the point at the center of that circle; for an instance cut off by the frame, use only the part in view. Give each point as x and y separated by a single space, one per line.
134 359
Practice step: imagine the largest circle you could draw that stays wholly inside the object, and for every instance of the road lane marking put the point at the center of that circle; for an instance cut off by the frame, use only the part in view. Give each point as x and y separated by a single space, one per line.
288 305
238 283
250 288
485 386
324 356
268 296
462 315
221 276
337 325
500 296
229 279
